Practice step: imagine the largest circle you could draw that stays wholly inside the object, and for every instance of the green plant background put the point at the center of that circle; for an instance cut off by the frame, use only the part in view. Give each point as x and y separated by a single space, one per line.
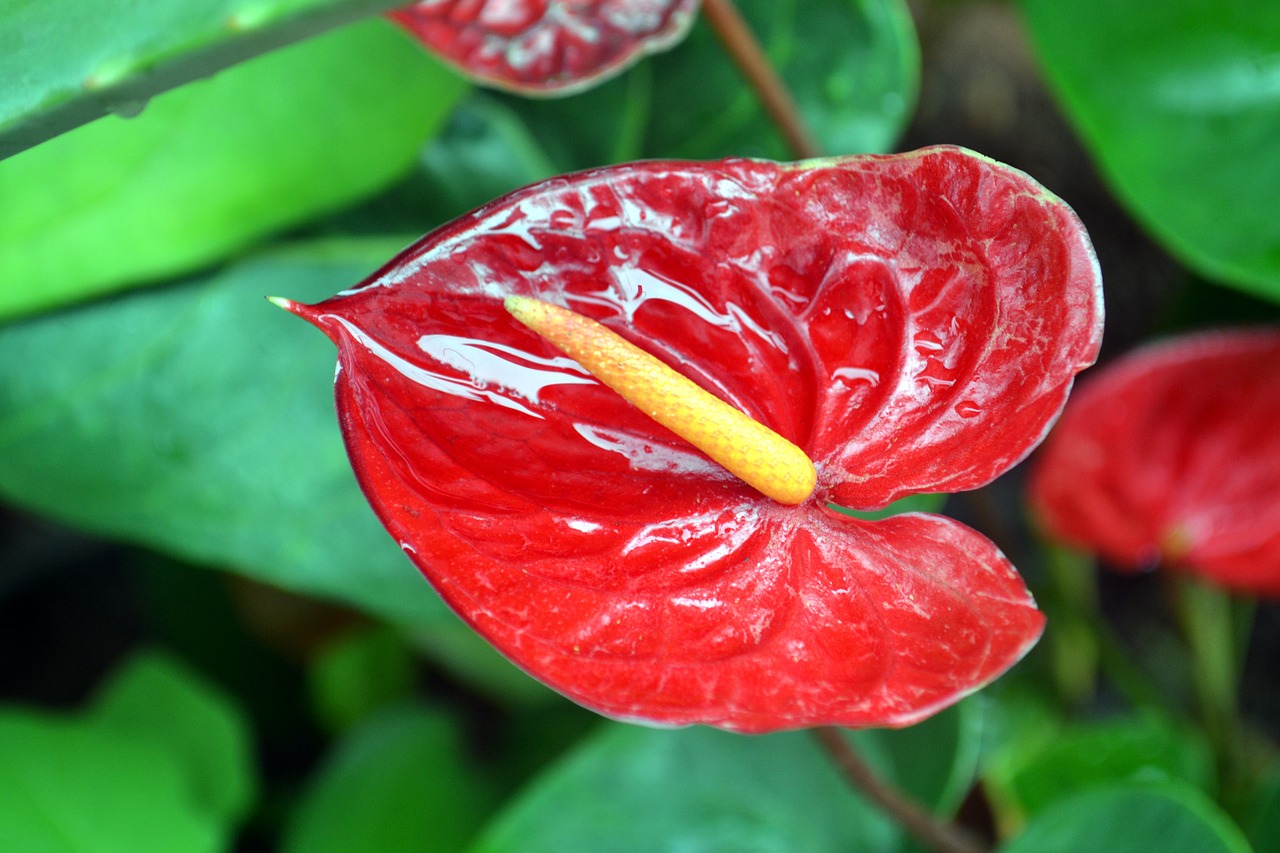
166 430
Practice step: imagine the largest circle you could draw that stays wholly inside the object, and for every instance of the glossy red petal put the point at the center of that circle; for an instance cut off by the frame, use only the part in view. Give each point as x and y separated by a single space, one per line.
614 561
546 46
913 322
741 614
1172 455
955 301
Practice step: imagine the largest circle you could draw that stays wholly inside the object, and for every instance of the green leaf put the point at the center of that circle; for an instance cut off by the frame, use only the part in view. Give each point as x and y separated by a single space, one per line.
358 673
635 789
399 782
935 761
1131 818
1178 102
1264 819
193 419
212 167
74 786
153 699
852 66
64 66
483 151
911 503
1138 749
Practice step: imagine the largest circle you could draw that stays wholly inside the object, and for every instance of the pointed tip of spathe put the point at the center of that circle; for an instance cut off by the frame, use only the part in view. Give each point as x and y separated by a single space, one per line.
287 304
298 309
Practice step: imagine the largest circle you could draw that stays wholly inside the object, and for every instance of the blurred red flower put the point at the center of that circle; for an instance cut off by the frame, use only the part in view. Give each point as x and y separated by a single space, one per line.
1171 457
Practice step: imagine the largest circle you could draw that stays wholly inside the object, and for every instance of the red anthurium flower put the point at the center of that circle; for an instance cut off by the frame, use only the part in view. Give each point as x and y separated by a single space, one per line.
909 323
1171 456
546 46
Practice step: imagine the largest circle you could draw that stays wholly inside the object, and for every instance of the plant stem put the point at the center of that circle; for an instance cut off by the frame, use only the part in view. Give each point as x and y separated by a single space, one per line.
1072 608
741 44
1209 622
941 836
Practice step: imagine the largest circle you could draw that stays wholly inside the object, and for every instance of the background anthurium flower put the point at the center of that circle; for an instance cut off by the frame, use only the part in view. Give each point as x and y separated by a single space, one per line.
548 47
1171 456
912 322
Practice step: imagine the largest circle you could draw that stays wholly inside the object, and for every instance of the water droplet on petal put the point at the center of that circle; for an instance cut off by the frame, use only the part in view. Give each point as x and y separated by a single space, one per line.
968 409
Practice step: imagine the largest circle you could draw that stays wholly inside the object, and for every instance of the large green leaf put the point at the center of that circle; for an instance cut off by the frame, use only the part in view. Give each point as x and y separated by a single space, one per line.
398 783
634 789
198 420
194 419
1179 102
1137 749
852 65
1132 818
67 786
160 759
153 699
209 168
65 64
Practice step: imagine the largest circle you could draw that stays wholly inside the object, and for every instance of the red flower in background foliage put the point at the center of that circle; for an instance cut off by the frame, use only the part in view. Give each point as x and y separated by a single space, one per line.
913 323
546 46
1171 456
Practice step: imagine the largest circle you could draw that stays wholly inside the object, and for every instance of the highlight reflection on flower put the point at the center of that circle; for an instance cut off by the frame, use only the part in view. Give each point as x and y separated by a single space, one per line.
913 323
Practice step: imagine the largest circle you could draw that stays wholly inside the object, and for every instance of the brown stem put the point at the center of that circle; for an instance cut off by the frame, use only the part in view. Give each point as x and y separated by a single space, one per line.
940 836
742 45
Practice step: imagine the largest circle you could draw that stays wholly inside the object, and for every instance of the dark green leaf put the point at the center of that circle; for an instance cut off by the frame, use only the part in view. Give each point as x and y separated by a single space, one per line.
64 65
483 151
155 700
192 419
852 65
399 782
358 673
209 168
1131 818
1264 823
1139 749
936 761
1178 102
74 786
635 789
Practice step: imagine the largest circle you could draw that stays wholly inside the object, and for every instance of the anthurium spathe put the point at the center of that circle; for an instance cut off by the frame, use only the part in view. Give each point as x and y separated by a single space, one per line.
1171 456
910 323
547 47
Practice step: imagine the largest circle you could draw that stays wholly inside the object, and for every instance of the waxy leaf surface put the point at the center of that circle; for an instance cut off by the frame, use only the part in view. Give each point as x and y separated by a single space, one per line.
211 168
60 73
912 322
1172 456
546 46
698 789
852 65
1179 103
